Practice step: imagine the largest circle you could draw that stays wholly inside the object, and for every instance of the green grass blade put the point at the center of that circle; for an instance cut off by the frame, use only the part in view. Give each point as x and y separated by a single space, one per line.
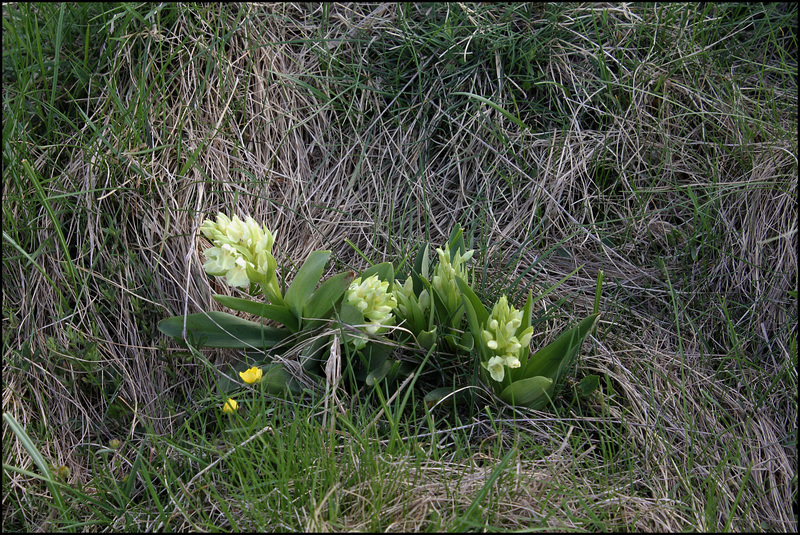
37 457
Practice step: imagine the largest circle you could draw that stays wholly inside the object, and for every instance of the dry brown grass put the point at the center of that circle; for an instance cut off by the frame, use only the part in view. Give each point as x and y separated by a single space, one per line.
262 144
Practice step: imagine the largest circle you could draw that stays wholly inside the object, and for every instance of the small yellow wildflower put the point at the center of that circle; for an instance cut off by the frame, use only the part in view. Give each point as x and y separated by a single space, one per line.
253 375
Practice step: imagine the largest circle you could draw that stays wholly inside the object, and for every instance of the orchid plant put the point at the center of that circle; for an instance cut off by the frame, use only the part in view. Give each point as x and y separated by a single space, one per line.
428 307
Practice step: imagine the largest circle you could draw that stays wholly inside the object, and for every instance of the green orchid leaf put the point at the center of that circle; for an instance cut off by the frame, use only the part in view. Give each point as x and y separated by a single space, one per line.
277 380
255 276
467 342
451 341
375 355
274 312
220 329
305 281
372 359
314 355
456 241
429 321
477 315
379 373
526 314
321 303
446 396
385 271
415 321
588 385
531 392
427 338
389 372
553 359
421 267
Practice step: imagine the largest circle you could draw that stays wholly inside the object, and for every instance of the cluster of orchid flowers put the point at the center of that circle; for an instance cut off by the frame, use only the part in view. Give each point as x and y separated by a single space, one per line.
242 253
501 340
429 305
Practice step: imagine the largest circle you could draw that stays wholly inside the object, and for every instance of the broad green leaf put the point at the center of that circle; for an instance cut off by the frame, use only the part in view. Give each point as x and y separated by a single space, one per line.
274 312
305 281
372 357
427 338
436 304
447 395
467 342
526 313
553 359
277 380
389 371
416 317
350 315
380 372
320 304
531 392
220 329
588 385
315 354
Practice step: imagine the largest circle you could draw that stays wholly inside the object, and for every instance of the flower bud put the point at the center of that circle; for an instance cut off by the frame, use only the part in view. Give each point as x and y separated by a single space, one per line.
230 405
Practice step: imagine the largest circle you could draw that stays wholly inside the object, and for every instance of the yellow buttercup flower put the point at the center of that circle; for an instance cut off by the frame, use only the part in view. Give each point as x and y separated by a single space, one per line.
230 405
253 375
